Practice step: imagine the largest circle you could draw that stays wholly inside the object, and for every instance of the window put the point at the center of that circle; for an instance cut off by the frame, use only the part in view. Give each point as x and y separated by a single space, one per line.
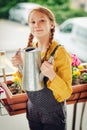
67 29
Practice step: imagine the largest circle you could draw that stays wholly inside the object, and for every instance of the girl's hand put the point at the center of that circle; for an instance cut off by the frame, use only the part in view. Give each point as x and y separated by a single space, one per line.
17 59
47 70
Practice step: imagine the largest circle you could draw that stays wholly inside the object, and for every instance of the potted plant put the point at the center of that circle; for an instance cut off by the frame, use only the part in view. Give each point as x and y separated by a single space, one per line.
79 81
16 96
79 71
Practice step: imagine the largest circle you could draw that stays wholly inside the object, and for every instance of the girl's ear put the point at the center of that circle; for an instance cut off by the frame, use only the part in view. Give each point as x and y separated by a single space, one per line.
52 25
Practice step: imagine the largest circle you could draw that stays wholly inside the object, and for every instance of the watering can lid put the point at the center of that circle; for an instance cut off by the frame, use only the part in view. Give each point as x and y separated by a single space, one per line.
31 49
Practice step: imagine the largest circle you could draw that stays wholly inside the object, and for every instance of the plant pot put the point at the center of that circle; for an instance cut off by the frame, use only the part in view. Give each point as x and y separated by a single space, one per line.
17 101
9 109
79 94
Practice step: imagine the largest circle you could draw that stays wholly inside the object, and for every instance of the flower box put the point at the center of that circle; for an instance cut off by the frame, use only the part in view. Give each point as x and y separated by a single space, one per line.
9 109
79 94
14 103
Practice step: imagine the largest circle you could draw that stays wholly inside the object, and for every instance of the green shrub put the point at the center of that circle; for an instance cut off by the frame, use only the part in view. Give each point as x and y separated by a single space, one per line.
64 12
4 12
60 8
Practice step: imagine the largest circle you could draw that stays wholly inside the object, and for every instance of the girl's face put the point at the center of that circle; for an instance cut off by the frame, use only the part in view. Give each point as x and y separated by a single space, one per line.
39 24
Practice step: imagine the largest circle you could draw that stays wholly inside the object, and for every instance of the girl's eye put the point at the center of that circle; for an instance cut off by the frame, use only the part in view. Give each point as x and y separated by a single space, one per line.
33 22
42 20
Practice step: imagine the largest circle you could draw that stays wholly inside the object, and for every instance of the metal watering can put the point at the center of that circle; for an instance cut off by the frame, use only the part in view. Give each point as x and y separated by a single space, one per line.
31 70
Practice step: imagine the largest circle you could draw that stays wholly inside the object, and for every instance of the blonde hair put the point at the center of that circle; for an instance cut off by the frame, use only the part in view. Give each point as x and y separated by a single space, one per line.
51 17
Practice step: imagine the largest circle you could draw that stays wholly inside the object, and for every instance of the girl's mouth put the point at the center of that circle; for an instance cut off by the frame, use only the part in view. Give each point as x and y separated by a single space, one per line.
38 30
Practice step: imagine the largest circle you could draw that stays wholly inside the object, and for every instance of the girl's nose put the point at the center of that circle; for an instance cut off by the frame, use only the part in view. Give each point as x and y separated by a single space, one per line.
37 24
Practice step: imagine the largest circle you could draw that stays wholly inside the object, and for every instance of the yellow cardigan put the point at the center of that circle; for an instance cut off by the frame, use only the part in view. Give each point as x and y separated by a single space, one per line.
61 85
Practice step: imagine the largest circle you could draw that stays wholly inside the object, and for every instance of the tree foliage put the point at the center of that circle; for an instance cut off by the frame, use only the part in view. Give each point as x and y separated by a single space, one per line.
5 5
50 2
60 8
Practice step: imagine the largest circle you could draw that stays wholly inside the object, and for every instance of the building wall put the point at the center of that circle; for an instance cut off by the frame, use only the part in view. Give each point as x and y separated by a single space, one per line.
79 4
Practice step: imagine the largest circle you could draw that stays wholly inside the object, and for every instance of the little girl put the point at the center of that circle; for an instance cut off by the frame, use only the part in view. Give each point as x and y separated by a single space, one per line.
46 108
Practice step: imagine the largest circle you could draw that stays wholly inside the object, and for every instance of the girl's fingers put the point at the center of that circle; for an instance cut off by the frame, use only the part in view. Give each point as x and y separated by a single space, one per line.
18 52
47 64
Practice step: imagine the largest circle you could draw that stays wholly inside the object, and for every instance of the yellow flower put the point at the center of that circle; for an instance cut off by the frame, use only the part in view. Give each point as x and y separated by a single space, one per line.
80 67
19 74
16 79
14 74
76 73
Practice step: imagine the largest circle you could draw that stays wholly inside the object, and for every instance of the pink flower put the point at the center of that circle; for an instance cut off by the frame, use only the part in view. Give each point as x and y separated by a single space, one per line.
1 90
75 60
